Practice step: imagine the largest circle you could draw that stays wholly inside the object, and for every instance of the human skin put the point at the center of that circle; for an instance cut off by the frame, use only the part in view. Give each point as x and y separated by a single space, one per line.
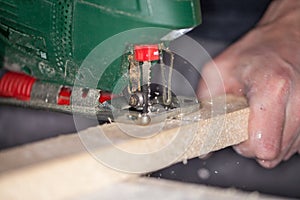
264 66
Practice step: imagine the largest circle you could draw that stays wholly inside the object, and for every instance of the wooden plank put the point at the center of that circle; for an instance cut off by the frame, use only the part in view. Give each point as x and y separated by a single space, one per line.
61 168
38 152
149 189
149 148
61 178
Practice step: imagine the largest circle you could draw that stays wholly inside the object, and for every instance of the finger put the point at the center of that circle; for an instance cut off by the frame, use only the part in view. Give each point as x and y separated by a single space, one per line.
294 149
267 115
286 153
266 120
291 138
288 149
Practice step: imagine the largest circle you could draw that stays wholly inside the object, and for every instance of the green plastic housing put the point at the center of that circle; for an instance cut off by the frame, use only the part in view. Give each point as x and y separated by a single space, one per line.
49 39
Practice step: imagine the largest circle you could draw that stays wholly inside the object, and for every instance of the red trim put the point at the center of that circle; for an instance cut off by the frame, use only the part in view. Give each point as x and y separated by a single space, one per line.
64 96
146 52
16 85
106 96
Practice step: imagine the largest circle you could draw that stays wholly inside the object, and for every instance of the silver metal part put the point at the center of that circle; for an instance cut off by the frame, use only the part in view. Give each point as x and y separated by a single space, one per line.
144 119
134 75
175 34
85 97
44 92
146 69
136 100
158 114
167 88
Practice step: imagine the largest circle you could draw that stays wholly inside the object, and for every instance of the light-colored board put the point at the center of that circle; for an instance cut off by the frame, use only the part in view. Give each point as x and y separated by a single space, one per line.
149 148
61 168
149 189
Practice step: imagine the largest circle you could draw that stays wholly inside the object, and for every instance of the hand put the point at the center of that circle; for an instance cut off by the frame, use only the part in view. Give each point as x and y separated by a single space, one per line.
265 67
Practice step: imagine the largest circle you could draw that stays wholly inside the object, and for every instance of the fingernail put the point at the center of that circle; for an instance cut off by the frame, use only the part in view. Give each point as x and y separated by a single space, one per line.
264 163
288 156
267 164
238 150
241 150
205 156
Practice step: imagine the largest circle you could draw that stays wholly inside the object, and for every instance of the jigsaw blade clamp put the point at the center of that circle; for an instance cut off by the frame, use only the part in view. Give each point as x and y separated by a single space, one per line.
141 98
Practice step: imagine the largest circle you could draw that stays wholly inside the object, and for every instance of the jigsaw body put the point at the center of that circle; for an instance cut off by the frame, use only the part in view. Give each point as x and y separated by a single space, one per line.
43 45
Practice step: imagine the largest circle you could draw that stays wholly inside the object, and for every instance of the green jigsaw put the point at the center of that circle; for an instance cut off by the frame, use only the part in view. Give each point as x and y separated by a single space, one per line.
45 45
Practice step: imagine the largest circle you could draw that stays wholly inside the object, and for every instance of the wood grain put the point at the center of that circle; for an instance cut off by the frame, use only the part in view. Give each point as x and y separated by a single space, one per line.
61 168
171 141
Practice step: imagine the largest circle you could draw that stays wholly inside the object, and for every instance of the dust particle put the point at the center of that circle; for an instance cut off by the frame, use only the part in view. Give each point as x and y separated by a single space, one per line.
203 173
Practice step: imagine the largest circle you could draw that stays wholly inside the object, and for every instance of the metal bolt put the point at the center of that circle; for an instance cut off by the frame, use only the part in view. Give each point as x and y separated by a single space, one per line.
133 100
136 100
144 119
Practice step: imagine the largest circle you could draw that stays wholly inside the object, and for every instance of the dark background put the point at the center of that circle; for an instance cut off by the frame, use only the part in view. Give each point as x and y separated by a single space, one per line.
224 21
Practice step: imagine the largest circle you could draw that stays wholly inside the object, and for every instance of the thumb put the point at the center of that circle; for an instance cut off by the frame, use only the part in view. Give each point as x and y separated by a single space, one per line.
211 82
220 76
